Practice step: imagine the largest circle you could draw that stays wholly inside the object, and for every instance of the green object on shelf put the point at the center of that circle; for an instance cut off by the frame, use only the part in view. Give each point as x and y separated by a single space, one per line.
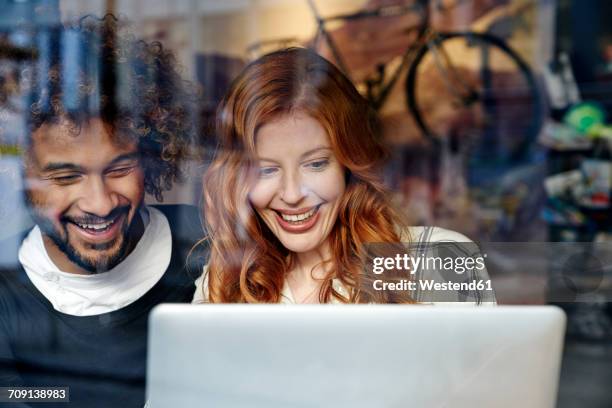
585 115
599 130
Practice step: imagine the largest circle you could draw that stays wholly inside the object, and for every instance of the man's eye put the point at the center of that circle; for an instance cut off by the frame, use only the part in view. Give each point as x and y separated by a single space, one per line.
68 179
267 171
120 171
318 164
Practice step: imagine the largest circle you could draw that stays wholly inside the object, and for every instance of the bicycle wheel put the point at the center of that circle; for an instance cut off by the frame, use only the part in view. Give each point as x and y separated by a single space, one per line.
472 87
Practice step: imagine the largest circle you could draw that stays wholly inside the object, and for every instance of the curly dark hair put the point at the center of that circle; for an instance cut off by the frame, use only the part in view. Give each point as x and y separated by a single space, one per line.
97 69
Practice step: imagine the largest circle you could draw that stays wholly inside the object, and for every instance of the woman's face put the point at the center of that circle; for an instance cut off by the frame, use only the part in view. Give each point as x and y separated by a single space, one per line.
299 182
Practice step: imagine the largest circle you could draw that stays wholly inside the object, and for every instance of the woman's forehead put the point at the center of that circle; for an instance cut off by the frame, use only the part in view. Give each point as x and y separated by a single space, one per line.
292 134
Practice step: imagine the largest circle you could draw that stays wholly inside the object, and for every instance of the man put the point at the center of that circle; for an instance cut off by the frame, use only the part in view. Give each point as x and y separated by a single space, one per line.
108 122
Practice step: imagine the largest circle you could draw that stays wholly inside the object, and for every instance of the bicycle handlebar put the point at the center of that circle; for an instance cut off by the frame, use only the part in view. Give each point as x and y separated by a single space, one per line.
385 11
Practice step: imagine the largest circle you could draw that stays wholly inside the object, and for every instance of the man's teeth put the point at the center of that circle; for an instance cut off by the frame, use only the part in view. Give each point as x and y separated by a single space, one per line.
96 227
299 217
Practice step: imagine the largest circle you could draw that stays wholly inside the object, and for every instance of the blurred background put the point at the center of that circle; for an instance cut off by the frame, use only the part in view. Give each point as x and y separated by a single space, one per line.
496 112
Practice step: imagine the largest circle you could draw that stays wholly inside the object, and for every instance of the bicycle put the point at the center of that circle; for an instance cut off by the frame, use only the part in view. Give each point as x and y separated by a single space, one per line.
488 104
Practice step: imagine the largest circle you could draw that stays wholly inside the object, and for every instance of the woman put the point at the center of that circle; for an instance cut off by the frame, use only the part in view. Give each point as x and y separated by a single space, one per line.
294 192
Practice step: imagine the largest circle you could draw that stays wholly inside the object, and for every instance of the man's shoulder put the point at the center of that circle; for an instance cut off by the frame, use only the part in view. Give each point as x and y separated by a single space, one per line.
9 252
13 278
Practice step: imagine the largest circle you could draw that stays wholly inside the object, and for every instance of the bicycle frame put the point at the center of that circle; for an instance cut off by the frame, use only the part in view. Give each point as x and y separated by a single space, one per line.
383 88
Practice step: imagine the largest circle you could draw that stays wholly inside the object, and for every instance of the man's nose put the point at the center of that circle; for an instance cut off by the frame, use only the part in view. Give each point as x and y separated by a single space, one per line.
97 198
292 191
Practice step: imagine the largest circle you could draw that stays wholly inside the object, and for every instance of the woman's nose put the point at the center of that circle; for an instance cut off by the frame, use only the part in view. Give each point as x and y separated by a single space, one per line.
292 191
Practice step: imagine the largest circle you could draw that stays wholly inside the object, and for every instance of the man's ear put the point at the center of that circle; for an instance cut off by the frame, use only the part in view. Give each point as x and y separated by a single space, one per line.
27 158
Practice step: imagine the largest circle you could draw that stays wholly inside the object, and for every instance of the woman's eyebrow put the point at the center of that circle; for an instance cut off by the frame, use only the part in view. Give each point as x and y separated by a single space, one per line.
305 154
263 159
314 150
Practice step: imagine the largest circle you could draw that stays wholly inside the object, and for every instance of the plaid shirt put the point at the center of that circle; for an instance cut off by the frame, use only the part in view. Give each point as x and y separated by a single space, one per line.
427 242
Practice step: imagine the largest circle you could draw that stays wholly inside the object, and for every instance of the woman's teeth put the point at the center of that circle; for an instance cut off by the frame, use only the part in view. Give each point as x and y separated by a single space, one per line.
299 218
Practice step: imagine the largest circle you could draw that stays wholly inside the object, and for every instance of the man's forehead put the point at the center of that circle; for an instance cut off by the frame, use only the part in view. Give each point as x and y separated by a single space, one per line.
92 141
66 132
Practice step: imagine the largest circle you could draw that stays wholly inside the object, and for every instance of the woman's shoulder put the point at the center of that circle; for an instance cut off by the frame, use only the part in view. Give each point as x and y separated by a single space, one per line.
201 287
432 234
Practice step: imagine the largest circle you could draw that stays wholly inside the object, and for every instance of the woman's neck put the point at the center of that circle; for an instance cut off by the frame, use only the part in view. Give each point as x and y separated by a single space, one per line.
309 265
307 273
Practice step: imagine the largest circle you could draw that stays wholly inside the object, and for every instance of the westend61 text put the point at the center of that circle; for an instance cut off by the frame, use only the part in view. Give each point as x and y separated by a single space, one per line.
428 285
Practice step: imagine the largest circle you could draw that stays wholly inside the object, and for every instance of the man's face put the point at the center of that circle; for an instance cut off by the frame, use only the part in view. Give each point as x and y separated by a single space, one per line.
85 190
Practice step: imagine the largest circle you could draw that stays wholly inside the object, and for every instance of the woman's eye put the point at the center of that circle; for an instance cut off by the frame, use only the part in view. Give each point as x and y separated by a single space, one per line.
318 164
267 171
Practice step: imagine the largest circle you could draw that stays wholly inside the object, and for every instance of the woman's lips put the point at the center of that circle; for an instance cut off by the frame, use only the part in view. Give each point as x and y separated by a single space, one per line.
299 226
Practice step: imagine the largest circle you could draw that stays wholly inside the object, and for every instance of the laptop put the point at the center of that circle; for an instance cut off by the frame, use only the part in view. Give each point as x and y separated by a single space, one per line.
354 356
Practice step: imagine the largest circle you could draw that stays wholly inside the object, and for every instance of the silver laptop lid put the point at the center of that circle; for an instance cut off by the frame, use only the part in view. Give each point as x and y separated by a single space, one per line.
354 356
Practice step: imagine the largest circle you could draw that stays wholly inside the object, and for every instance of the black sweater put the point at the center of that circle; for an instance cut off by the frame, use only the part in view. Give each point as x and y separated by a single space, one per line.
102 358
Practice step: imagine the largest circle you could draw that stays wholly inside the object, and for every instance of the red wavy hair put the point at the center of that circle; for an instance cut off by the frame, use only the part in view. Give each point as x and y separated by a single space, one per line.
247 262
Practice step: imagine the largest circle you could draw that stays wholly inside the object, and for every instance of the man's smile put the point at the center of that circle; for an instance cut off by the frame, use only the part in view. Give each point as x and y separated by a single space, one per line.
98 229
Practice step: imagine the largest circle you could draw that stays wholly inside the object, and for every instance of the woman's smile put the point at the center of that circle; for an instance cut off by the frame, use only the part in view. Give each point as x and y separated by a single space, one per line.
298 221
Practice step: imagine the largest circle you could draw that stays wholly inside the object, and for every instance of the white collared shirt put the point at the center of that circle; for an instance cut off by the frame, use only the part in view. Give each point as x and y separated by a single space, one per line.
286 294
87 295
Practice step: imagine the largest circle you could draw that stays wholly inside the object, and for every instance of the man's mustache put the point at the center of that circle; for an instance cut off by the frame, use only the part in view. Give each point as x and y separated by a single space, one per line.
94 219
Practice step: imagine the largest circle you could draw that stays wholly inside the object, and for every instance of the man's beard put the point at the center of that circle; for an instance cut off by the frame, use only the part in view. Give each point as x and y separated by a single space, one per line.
61 239
92 265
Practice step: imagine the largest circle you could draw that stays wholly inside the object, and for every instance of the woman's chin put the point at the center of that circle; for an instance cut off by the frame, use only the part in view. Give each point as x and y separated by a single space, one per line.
298 249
